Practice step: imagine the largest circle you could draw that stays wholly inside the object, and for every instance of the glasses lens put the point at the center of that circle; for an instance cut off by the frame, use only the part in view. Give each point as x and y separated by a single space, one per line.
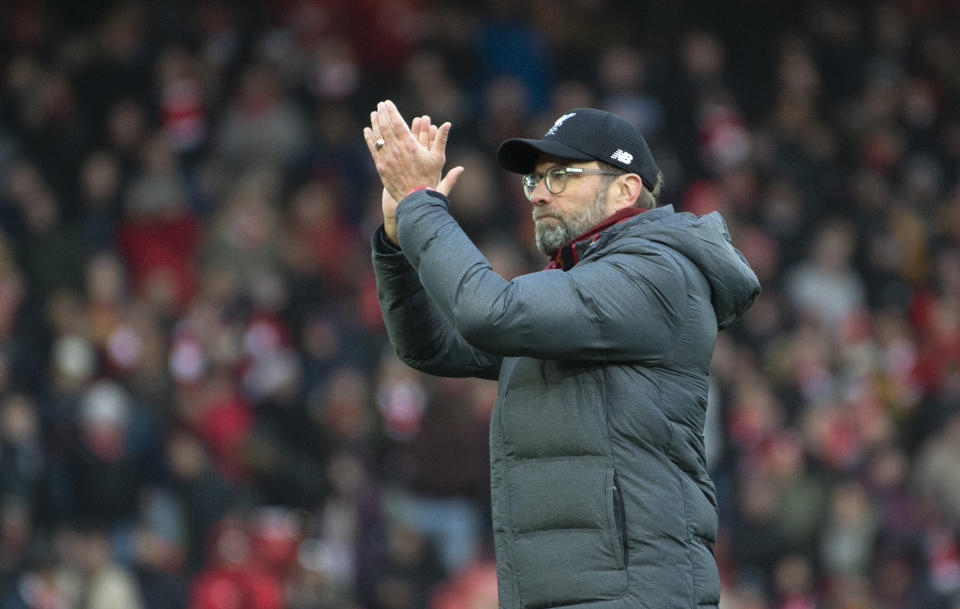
529 184
556 179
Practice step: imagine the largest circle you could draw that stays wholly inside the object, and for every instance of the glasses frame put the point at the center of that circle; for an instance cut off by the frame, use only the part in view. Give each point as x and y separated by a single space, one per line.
531 180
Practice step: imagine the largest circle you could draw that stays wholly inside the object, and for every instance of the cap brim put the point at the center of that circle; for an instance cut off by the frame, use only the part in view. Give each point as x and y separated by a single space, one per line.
520 155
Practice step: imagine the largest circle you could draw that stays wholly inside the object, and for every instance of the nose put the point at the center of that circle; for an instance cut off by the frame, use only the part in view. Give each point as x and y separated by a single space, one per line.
540 195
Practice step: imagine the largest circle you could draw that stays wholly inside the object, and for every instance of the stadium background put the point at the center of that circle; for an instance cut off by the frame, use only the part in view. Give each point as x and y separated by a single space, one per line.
198 404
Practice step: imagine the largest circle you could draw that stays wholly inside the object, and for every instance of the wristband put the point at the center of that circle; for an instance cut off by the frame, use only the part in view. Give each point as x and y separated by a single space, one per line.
415 189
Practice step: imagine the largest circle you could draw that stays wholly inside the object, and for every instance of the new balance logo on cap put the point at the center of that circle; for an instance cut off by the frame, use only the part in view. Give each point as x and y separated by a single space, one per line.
624 157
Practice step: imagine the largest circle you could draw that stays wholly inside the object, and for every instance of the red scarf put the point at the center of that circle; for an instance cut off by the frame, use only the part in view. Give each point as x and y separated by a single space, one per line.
568 254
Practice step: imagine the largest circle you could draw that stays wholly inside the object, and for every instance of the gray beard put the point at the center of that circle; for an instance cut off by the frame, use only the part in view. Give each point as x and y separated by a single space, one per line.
552 231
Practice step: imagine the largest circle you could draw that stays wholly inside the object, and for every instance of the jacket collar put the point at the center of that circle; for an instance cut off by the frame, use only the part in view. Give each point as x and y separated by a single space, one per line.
568 254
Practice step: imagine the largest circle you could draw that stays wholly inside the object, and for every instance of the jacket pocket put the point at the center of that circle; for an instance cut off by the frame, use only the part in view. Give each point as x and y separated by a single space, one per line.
563 538
615 519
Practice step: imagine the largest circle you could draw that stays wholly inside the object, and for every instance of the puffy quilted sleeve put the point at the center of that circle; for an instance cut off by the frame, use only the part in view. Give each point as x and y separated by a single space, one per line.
420 334
624 307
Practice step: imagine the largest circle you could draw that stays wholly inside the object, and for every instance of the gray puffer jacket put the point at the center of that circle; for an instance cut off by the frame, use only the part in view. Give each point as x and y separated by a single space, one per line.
601 498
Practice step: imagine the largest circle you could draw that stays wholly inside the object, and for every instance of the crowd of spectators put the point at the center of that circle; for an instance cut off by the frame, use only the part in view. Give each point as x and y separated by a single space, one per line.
199 407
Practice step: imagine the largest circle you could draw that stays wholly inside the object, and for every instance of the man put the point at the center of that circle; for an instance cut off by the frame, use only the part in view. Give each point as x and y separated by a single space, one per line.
600 494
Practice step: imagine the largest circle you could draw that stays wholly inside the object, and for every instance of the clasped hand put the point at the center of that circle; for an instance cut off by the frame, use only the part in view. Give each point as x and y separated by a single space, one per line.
407 157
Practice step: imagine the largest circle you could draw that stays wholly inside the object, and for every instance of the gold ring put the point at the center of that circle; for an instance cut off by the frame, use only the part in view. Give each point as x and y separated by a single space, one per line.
379 143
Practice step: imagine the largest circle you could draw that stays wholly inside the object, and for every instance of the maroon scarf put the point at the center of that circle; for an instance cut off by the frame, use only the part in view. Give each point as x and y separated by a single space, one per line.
568 254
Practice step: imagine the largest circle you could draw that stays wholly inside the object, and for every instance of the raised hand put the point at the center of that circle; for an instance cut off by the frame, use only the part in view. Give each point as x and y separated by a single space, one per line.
408 157
425 134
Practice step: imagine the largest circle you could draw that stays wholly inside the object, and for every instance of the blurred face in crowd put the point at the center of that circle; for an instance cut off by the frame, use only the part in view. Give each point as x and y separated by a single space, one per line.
578 207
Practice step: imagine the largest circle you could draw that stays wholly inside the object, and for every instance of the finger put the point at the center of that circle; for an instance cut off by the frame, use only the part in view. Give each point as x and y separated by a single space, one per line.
416 126
374 125
423 136
450 180
370 140
378 142
383 125
440 142
433 135
392 120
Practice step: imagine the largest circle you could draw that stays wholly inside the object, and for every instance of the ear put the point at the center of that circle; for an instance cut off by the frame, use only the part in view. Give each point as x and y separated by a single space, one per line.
626 190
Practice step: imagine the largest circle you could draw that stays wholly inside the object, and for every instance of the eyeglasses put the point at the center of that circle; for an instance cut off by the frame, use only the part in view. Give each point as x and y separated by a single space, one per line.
556 178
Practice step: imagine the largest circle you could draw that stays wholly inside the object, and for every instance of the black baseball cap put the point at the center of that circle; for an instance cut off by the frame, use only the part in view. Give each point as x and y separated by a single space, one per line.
585 134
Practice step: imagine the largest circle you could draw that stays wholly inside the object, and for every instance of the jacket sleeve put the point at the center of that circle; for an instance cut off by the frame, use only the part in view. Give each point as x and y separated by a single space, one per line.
421 336
626 307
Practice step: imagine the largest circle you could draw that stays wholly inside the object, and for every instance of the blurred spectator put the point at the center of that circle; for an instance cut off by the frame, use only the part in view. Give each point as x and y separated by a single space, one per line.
203 493
16 534
108 584
234 578
794 583
126 131
825 287
158 235
182 99
935 473
50 249
408 573
320 243
104 470
847 544
100 197
261 126
158 556
755 541
22 458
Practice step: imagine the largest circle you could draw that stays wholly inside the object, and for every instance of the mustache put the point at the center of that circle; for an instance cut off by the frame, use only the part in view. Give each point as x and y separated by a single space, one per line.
545 215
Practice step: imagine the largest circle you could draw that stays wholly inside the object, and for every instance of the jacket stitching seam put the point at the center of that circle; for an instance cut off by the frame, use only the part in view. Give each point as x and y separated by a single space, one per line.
553 529
517 458
506 499
669 422
687 550
682 326
604 371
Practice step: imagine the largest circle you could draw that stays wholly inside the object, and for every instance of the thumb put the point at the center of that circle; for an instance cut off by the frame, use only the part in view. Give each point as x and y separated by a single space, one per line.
449 180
